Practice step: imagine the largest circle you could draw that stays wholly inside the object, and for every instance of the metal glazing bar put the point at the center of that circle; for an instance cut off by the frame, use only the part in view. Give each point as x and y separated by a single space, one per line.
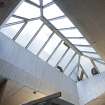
92 57
41 8
32 19
66 44
54 50
21 29
73 69
88 52
82 45
45 44
19 22
60 35
94 65
76 66
79 61
20 17
48 4
56 18
75 37
13 23
99 61
83 71
64 29
70 61
32 3
62 57
34 36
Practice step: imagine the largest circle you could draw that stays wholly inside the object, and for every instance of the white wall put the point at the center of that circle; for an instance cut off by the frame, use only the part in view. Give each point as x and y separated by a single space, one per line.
91 88
18 64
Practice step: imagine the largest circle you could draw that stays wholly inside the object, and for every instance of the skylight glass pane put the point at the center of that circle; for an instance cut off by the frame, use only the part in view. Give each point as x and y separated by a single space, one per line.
12 19
87 65
36 1
71 33
57 55
66 58
28 32
74 74
40 39
28 11
11 30
62 23
90 49
79 41
52 11
71 65
92 55
101 67
49 48
46 1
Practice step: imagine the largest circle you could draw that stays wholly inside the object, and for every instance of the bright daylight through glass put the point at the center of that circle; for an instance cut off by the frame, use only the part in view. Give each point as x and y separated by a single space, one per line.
42 28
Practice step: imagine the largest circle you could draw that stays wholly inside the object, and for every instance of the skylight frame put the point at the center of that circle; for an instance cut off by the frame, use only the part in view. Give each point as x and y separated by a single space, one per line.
72 65
47 22
65 60
76 67
45 43
53 47
59 53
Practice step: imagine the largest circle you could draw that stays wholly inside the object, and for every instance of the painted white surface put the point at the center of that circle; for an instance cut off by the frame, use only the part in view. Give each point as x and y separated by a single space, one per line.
91 88
19 64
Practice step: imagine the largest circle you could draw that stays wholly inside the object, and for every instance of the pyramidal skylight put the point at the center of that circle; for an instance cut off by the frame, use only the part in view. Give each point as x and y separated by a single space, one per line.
41 27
